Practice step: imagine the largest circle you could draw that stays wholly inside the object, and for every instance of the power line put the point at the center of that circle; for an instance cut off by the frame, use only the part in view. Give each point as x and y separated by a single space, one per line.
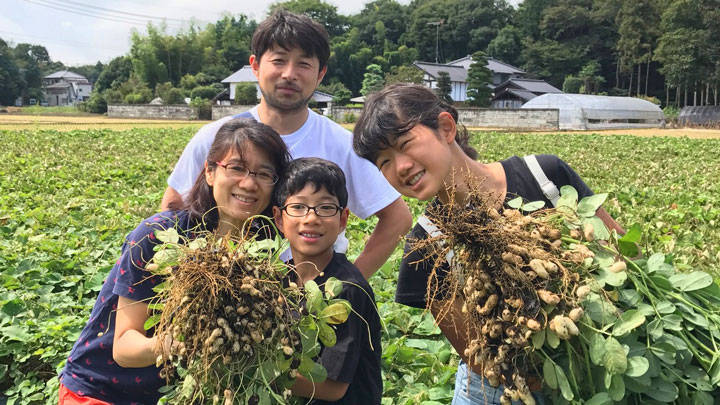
63 42
125 12
93 14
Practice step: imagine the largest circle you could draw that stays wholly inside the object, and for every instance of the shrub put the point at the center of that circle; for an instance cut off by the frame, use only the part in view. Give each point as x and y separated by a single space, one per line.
203 92
349 118
246 94
202 107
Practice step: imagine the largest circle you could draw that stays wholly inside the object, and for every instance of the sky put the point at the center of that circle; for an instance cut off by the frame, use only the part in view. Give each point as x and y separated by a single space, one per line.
80 32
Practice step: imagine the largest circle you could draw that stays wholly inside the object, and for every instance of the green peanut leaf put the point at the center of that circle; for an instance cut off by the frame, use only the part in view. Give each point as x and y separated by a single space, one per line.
515 203
597 349
662 390
333 287
601 398
628 322
169 235
327 334
568 197
627 243
588 205
614 359
314 297
335 313
617 388
696 280
637 366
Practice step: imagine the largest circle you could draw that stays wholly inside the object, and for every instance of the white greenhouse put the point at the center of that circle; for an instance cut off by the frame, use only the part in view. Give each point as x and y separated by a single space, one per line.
584 111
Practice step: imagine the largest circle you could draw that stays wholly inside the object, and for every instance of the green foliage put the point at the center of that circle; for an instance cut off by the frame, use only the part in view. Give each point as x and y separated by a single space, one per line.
203 92
404 74
478 79
55 251
246 94
203 108
671 113
341 95
188 82
507 45
321 11
116 72
372 80
572 84
444 87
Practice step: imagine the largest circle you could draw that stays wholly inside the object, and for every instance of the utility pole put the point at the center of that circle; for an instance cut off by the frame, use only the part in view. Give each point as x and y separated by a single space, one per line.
437 25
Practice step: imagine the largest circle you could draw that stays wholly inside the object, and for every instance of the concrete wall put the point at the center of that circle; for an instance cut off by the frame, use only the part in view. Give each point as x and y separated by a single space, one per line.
219 111
510 118
488 118
180 111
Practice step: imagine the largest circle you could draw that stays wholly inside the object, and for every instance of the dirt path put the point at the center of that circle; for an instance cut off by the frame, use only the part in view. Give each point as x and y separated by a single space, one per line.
693 133
67 123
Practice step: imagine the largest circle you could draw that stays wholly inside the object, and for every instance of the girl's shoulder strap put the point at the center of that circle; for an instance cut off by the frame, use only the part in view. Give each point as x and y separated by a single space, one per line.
548 188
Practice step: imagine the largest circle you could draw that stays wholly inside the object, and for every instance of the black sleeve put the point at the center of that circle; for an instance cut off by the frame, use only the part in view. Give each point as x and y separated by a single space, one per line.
562 174
341 361
415 272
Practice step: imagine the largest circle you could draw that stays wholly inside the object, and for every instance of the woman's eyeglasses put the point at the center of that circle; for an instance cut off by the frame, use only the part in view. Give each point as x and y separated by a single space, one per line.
237 171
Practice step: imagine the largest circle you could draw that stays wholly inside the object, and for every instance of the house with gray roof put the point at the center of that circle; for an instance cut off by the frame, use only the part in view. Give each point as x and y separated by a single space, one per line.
502 75
64 88
516 92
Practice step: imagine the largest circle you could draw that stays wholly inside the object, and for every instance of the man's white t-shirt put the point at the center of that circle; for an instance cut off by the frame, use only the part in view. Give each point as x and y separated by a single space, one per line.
368 191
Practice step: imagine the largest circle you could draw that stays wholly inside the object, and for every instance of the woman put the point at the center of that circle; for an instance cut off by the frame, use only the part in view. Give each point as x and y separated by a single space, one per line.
113 361
413 137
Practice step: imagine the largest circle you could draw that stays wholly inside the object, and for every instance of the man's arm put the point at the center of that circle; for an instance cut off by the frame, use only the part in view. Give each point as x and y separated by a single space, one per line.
394 222
170 196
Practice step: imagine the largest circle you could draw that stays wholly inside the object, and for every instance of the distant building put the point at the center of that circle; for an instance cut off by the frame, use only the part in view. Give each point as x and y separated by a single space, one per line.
65 88
457 70
245 75
516 92
584 111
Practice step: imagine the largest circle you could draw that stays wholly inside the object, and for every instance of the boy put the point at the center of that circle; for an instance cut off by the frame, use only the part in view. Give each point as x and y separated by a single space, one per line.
311 214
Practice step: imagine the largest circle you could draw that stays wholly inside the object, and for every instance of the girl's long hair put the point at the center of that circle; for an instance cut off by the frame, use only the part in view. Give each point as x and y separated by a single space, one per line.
233 136
395 110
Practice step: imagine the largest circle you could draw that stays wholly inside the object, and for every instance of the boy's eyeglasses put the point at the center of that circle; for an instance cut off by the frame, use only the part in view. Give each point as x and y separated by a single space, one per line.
322 210
236 171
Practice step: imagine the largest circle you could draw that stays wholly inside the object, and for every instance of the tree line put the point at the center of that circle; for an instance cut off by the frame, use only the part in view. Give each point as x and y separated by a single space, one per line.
666 49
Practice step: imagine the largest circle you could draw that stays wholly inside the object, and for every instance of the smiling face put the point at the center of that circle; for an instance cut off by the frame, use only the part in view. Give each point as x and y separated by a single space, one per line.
287 78
419 163
240 197
311 237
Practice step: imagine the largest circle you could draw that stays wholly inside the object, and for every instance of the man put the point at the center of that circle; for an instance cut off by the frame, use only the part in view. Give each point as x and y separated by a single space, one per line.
290 54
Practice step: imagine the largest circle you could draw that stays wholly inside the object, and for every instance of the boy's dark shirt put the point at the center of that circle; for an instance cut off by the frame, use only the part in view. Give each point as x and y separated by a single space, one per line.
413 278
352 360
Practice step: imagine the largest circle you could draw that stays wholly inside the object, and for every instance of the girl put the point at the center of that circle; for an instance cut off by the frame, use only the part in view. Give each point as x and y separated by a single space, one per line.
113 361
413 138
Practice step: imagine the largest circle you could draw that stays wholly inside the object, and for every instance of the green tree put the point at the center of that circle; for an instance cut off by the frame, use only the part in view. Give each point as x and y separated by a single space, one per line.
638 28
444 87
11 81
478 79
392 14
372 80
341 94
404 74
246 94
203 92
116 72
320 11
506 46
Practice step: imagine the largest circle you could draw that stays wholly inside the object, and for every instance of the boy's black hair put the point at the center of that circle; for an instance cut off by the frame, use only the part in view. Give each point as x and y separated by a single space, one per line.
318 172
288 30
395 110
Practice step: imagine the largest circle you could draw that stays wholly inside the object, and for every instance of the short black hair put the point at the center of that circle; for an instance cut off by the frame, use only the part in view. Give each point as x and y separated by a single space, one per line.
395 110
318 172
288 30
